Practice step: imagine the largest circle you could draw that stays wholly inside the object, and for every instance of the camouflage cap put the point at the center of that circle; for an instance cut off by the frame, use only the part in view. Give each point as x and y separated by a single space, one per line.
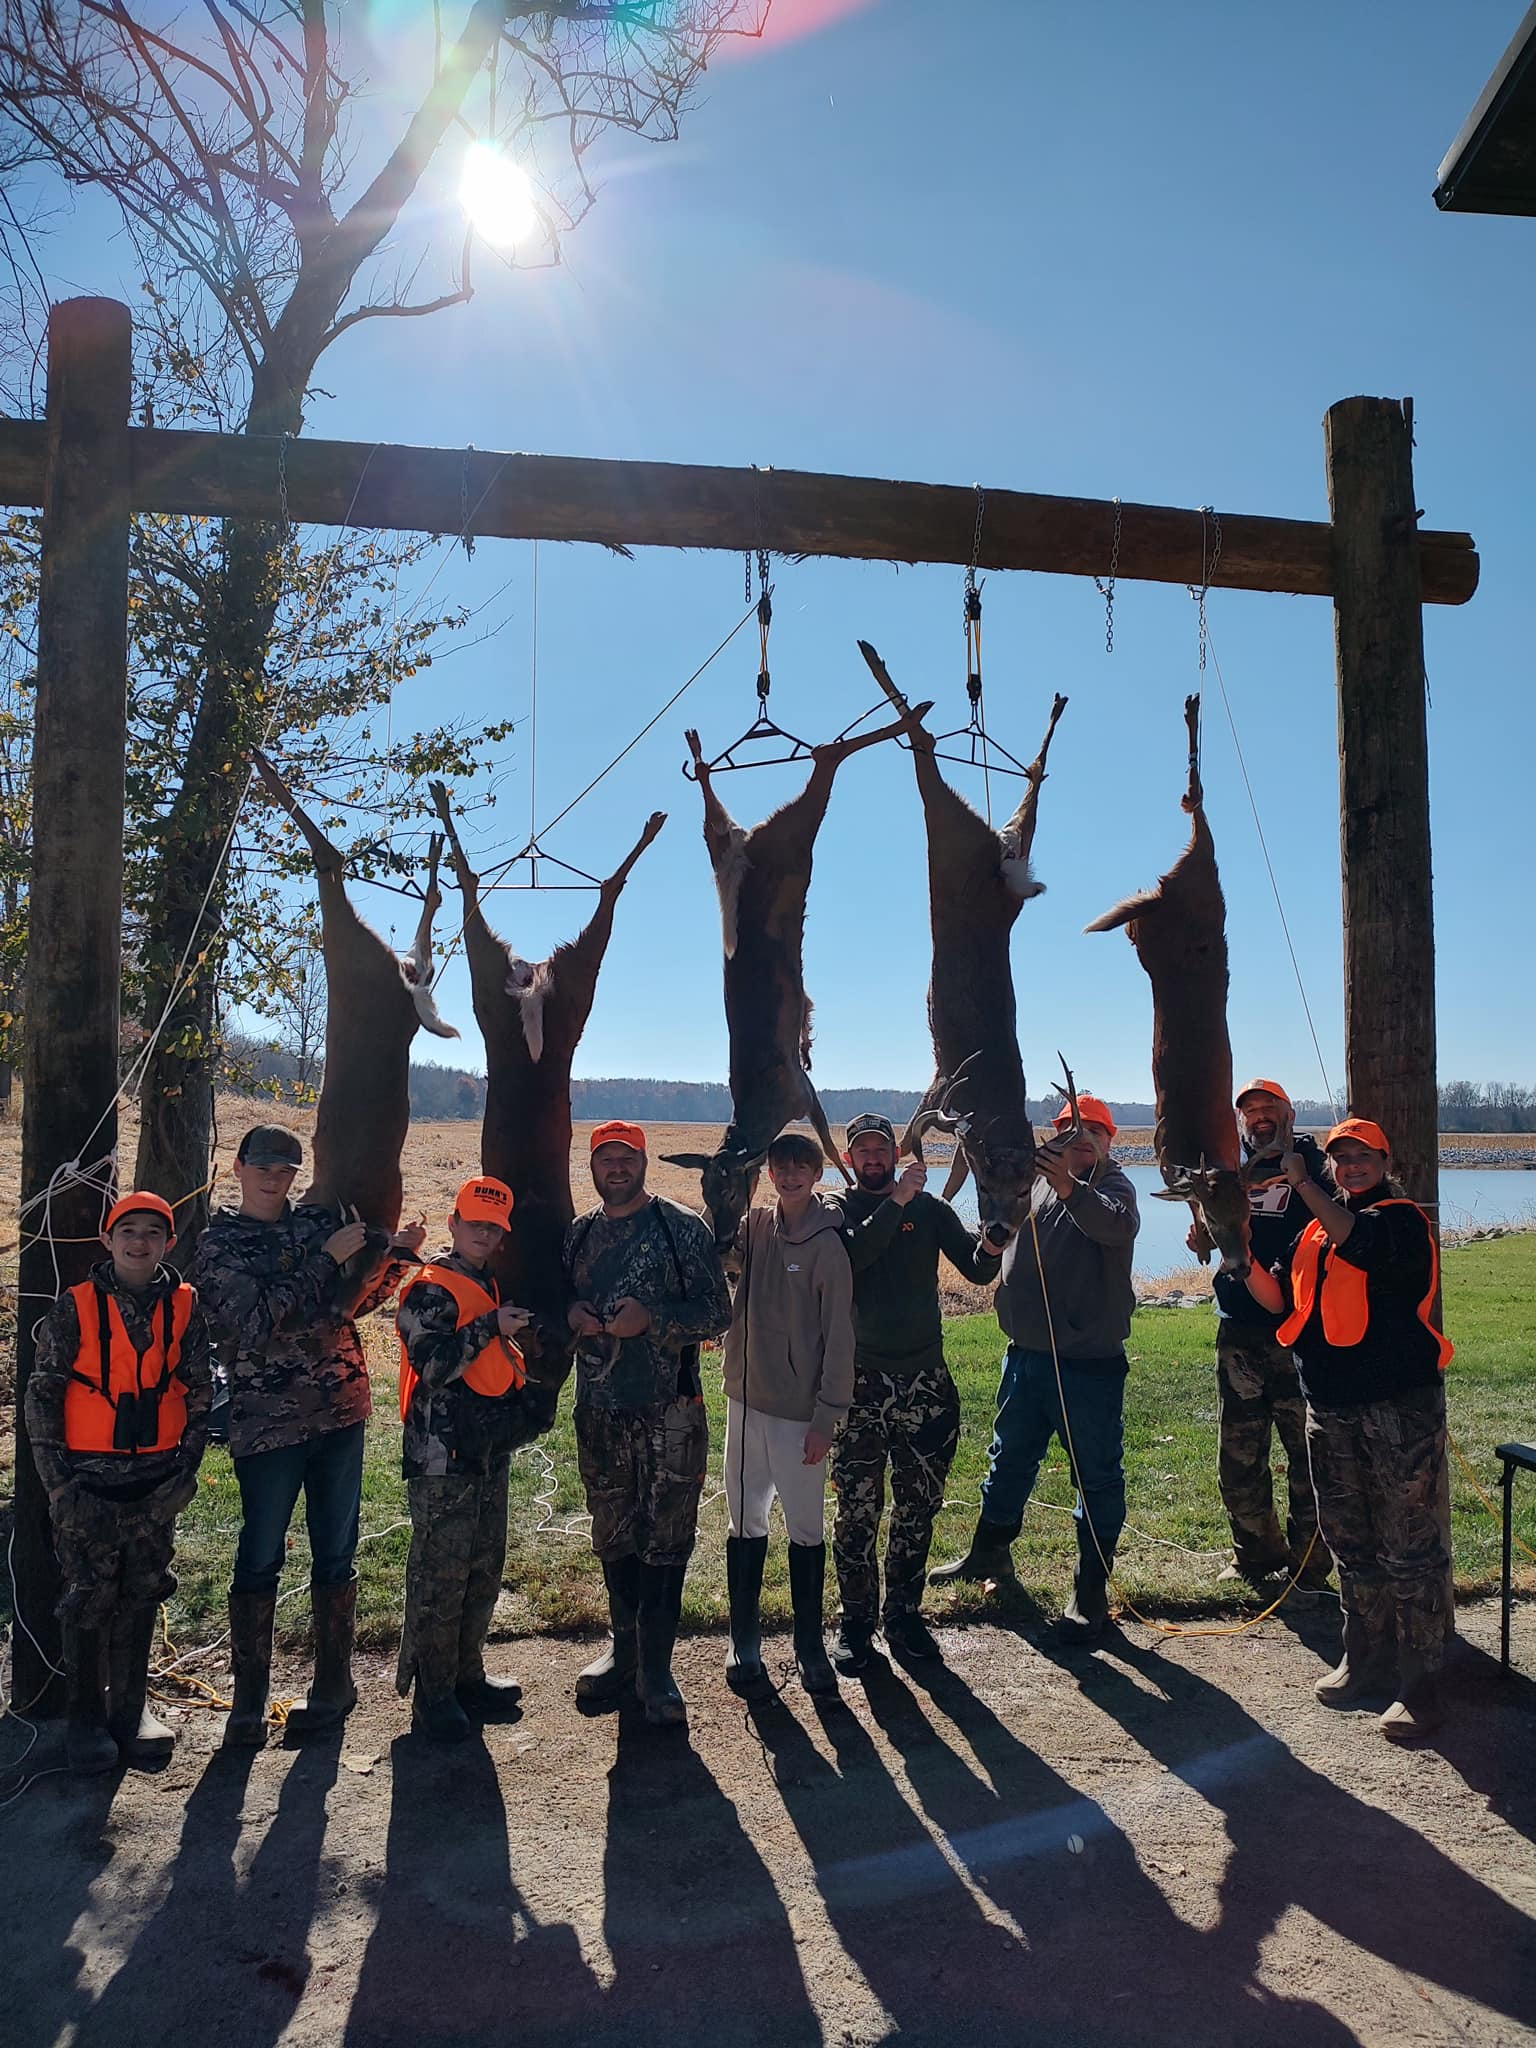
270 1145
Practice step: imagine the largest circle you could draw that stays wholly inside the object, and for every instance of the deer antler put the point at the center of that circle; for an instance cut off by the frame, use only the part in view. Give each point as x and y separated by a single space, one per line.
1070 1092
940 1116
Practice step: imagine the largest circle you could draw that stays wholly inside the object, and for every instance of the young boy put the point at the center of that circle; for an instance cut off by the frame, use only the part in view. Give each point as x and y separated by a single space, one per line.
461 1400
117 1411
789 1379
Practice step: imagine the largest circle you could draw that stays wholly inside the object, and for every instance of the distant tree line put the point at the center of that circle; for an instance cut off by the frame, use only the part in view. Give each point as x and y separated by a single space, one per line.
441 1094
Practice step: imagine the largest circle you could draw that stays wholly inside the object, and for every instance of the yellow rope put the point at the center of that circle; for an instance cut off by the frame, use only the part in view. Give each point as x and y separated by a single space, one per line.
277 1712
1166 1628
1487 1503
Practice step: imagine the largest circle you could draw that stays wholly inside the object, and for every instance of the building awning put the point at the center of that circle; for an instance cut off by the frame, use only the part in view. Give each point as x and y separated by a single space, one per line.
1491 166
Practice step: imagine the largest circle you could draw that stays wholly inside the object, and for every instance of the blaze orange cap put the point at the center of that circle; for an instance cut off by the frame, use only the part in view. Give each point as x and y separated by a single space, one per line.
1262 1088
483 1200
141 1203
619 1133
1091 1110
1362 1130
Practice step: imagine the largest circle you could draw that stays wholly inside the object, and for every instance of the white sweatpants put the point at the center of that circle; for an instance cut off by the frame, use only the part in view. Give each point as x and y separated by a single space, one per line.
764 1456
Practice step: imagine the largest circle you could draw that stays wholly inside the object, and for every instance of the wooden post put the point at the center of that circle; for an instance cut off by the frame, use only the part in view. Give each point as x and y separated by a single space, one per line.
1389 922
1389 931
75 909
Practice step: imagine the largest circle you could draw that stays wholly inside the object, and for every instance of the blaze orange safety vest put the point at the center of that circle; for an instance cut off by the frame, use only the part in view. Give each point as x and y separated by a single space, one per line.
107 1366
1345 1293
496 1369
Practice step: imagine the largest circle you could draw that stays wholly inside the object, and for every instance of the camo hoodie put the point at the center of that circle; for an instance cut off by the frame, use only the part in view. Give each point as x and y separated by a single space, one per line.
294 1361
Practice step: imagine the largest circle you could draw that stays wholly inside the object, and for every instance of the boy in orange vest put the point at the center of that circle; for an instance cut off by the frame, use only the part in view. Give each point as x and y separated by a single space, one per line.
117 1411
461 1388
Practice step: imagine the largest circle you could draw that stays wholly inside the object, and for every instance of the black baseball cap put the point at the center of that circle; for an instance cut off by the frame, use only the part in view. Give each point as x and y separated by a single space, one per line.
870 1125
270 1145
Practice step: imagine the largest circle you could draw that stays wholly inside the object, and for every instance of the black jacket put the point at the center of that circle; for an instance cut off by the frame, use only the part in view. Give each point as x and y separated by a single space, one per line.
1393 1248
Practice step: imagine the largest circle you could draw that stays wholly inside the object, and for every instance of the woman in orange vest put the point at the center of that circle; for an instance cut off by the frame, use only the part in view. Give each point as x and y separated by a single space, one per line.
117 1408
1358 1296
461 1388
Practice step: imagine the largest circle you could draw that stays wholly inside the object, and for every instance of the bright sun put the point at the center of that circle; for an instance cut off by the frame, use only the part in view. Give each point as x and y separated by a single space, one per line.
497 196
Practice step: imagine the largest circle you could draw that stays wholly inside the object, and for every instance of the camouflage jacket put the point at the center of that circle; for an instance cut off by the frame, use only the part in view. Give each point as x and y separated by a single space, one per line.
58 1347
449 1428
663 1255
294 1361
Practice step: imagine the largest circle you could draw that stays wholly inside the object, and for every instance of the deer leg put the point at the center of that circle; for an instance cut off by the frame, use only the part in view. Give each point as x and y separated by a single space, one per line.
839 750
1195 795
622 872
823 1131
468 880
1019 832
432 902
325 856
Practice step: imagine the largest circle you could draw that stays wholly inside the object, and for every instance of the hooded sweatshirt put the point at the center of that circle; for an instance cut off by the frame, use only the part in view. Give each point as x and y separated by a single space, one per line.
789 1350
1086 1244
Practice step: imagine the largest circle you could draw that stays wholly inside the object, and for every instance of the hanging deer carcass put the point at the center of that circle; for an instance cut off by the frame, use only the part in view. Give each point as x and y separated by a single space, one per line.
374 1003
979 879
531 1015
1179 930
763 876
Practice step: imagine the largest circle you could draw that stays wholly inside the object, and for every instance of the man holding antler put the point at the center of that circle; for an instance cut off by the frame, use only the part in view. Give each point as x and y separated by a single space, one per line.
906 1408
1257 1390
1065 1306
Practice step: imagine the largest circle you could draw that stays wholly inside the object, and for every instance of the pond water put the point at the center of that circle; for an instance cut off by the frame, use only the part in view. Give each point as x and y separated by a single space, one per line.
1471 1198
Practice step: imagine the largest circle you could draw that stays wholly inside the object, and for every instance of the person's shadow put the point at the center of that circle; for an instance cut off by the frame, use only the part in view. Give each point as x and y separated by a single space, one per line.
700 1940
456 1956
1300 1839
55 1842
198 1940
917 1935
1104 1956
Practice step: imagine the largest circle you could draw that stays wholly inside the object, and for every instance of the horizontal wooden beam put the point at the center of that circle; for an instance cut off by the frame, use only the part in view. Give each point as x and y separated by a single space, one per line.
671 505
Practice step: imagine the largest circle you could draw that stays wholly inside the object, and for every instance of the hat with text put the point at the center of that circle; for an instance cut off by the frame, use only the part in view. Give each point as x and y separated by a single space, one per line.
1362 1130
617 1132
870 1125
483 1200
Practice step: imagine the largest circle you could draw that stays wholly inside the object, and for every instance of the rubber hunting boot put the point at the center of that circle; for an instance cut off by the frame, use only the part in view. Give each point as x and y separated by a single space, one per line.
852 1646
250 1657
745 1557
1418 1709
989 1557
441 1719
141 1736
87 1744
333 1695
1364 1669
1086 1615
807 1591
656 1619
609 1675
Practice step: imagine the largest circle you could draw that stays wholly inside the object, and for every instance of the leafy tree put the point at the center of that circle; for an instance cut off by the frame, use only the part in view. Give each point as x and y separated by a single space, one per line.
273 219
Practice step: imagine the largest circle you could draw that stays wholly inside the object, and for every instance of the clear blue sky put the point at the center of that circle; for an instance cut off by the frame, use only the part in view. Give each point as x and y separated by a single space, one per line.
1096 250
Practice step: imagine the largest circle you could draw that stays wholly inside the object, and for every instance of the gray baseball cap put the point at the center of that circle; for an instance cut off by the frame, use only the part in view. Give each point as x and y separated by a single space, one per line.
270 1145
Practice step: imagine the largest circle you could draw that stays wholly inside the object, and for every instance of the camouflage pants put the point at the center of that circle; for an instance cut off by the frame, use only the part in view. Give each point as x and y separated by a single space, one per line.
1257 1395
1377 1471
914 1424
643 1469
112 1555
452 1577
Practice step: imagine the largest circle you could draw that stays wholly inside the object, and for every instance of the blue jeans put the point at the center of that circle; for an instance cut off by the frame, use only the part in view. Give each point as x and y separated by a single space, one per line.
1029 1415
328 1471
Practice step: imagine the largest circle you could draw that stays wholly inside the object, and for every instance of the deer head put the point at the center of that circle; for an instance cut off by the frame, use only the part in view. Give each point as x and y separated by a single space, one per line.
1219 1197
729 1178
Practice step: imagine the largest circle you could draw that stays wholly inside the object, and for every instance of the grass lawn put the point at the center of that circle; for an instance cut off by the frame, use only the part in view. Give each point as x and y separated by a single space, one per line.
1174 1544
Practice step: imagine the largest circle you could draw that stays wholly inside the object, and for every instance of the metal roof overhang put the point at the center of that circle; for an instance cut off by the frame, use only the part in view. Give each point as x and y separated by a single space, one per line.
1491 166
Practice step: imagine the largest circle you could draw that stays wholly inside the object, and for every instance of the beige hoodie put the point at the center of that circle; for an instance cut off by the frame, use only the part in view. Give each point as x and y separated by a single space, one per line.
789 1350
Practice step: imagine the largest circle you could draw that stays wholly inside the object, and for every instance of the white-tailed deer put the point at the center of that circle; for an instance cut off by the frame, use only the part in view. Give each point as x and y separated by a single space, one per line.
764 876
374 1004
531 1015
979 879
1179 930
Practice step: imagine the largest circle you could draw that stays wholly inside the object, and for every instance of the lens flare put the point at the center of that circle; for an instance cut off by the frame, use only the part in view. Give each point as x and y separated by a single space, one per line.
496 195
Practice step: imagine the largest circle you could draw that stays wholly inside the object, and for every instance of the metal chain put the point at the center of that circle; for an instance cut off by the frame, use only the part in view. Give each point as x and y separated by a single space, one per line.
1210 561
1107 590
